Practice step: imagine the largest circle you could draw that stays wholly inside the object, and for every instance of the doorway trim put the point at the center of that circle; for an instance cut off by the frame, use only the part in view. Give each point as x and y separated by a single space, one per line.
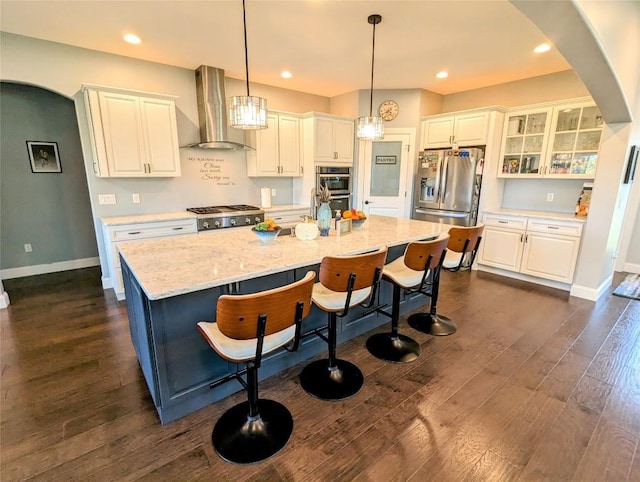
411 169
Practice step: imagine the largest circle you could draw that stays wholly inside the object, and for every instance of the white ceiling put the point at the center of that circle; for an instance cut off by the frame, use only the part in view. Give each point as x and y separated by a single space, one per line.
326 44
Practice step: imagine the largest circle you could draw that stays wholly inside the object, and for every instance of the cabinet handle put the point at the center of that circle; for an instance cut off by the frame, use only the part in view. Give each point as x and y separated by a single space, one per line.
503 222
134 232
553 227
521 237
335 155
301 169
178 229
526 238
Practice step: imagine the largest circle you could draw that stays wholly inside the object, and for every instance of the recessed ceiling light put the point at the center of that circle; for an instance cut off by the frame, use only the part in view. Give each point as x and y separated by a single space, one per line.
132 39
542 48
442 75
286 75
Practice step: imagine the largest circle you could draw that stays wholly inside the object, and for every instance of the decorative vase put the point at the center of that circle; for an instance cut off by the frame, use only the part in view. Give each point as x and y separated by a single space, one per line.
324 218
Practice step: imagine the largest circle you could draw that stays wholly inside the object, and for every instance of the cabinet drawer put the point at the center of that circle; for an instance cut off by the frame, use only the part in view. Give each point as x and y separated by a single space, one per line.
505 222
287 217
555 227
153 230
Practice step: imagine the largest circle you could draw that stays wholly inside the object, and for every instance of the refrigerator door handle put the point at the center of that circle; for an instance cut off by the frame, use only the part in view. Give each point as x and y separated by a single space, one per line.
444 165
447 214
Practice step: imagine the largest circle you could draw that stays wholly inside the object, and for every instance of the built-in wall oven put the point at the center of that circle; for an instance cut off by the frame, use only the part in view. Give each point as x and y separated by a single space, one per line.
339 182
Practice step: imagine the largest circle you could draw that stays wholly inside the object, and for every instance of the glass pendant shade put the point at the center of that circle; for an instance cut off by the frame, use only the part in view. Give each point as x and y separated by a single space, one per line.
370 128
248 112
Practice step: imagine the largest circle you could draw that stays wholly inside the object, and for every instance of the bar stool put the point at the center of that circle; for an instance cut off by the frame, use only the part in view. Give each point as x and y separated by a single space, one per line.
345 281
432 323
463 247
408 272
247 327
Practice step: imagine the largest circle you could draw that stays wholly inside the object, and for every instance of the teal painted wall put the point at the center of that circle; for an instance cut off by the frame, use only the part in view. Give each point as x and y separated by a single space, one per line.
51 211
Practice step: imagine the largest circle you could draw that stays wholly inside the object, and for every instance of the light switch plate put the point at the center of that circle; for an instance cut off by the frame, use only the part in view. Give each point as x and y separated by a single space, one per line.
106 198
136 197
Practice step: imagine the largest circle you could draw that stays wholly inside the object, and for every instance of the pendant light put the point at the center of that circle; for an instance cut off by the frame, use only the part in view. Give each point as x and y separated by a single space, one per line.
371 128
247 111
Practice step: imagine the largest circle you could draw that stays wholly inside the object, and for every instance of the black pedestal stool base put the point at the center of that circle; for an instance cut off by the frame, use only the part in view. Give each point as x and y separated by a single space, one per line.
342 381
395 349
242 441
436 325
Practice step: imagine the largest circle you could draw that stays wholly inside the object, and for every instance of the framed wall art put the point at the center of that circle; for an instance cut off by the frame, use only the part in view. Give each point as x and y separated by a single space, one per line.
44 156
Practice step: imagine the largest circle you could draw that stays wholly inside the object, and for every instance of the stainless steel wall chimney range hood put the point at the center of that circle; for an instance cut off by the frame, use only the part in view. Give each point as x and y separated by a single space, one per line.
212 111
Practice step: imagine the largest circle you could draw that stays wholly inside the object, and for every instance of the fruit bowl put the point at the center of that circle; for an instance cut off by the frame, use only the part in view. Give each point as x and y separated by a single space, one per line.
356 223
267 236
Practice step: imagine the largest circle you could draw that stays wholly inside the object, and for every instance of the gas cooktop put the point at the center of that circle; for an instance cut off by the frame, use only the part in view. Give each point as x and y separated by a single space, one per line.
215 217
234 208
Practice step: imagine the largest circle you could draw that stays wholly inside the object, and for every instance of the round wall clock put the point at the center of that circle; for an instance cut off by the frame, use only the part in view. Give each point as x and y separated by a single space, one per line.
388 110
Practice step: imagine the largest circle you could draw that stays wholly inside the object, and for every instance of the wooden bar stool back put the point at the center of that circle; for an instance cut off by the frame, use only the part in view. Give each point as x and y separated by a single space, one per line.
406 272
246 328
345 281
463 247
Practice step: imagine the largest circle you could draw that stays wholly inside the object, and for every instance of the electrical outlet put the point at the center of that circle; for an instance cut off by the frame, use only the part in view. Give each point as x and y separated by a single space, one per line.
106 198
549 196
136 197
273 191
28 248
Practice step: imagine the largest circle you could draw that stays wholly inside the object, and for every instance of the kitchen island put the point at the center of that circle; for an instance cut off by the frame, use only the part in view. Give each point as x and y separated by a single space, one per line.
173 283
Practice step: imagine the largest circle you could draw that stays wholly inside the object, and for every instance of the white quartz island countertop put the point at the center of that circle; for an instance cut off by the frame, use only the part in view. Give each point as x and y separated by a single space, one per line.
171 266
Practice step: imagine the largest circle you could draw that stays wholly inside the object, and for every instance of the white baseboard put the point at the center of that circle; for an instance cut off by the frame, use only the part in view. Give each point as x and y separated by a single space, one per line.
591 294
631 268
48 268
4 300
106 283
525 277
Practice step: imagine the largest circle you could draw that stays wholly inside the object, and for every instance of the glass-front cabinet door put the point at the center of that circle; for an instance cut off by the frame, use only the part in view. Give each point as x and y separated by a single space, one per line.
560 141
525 135
575 143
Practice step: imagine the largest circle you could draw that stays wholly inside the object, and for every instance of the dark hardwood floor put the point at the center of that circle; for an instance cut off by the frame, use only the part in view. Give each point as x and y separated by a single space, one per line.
535 385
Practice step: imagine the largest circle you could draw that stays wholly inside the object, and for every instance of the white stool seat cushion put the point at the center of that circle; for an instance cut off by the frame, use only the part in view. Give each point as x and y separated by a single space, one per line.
400 274
328 300
241 350
452 259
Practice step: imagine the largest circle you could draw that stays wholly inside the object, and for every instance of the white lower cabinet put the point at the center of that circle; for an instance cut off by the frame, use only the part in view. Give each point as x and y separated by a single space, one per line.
287 217
115 233
542 248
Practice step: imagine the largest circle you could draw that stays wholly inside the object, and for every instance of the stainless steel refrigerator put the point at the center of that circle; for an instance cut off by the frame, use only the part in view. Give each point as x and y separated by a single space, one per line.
447 185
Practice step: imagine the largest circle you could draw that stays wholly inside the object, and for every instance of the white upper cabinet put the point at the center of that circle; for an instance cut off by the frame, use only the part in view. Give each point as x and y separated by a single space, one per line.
332 140
524 142
574 145
278 150
465 129
560 141
132 134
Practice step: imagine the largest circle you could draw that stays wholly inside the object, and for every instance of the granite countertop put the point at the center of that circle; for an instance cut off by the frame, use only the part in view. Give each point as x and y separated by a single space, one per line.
536 214
148 218
172 266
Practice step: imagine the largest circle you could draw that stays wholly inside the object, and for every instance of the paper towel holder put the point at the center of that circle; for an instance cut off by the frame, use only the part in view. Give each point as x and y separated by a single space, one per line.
265 197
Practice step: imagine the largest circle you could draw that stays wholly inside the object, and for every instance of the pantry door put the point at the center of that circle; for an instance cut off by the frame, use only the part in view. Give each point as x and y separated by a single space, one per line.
387 174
